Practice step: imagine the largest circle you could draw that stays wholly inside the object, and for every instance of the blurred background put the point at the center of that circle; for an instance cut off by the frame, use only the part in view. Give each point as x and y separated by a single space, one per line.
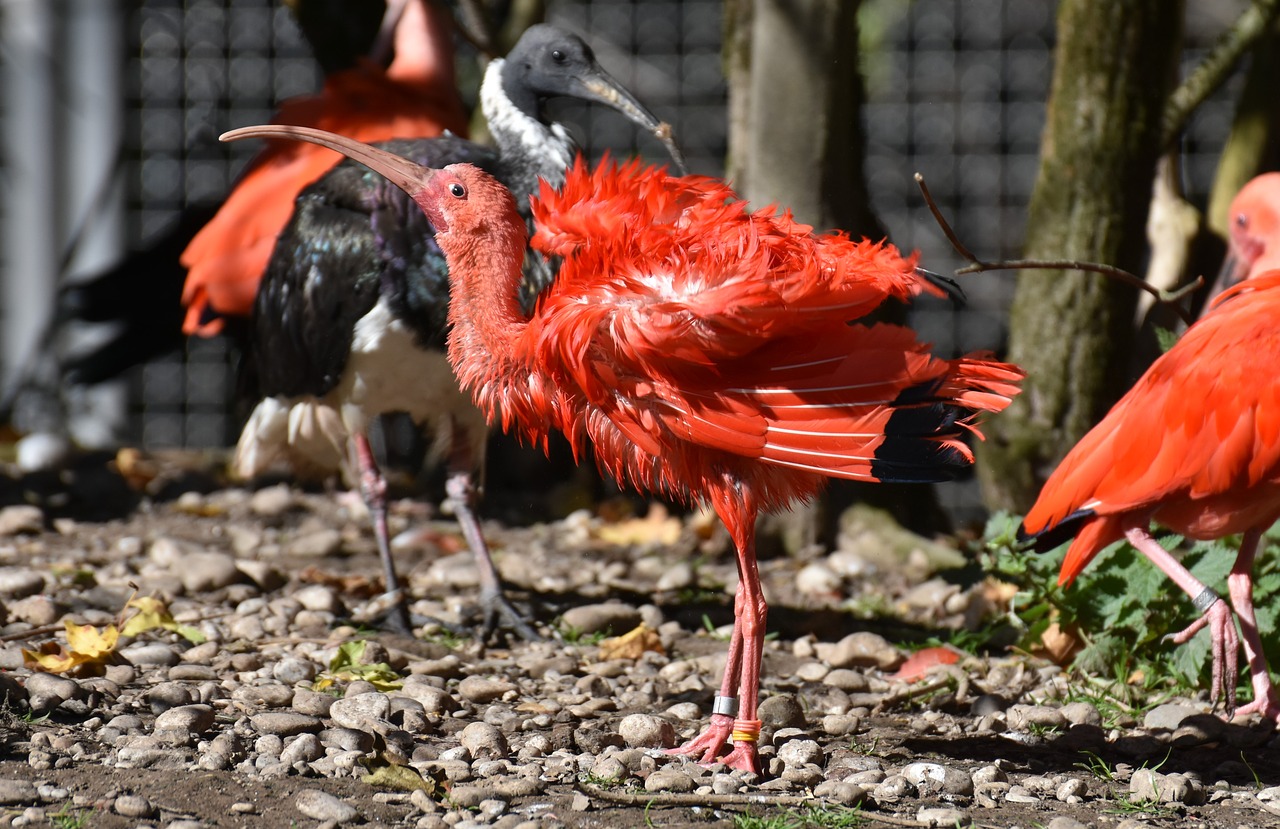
111 112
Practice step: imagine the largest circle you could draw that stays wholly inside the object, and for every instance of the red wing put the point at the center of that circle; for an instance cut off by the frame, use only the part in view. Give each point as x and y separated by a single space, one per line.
226 259
1204 420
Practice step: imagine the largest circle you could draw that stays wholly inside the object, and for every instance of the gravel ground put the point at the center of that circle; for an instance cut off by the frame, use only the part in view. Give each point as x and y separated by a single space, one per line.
569 731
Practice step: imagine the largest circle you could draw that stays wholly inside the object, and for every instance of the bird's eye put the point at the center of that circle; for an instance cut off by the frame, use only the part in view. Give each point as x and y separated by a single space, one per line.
557 56
457 191
1241 220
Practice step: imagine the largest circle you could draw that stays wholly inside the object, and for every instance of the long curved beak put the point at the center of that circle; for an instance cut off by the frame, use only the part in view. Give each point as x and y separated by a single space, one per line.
409 176
602 88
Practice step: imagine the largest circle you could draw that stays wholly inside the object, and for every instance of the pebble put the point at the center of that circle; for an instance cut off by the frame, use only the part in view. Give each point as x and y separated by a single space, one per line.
1168 716
18 582
484 742
21 519
192 719
647 731
614 618
284 723
202 572
133 805
318 544
481 690
1029 717
781 711
17 792
362 712
935 778
669 780
321 805
860 650
45 692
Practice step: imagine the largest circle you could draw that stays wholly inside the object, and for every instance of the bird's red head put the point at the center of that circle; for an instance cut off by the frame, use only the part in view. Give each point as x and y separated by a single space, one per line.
1254 229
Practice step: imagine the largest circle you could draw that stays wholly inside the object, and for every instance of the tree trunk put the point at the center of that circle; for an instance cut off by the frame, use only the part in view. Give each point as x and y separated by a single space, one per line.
1114 68
795 104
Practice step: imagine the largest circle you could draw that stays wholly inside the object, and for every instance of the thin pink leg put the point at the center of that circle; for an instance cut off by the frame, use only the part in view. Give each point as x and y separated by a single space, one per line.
1240 586
1215 613
373 486
736 507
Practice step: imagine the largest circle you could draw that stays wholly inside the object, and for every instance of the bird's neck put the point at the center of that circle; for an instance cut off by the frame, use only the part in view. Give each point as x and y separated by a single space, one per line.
532 145
484 308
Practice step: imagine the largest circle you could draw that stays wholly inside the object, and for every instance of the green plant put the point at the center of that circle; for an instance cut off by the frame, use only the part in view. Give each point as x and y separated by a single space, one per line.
577 636
70 817
1124 607
808 817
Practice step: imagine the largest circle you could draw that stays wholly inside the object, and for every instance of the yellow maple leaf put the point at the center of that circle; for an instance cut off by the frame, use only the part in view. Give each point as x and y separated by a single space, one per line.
631 645
657 529
85 645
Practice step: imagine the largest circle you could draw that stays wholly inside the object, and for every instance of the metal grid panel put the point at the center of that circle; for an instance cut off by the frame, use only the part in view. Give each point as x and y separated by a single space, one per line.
956 91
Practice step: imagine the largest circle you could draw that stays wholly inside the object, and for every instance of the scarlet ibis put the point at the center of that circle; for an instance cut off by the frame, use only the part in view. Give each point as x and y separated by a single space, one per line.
705 351
415 97
1195 447
351 316
1253 244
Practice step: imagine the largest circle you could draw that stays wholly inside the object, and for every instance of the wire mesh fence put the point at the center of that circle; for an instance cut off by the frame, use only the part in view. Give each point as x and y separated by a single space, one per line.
957 90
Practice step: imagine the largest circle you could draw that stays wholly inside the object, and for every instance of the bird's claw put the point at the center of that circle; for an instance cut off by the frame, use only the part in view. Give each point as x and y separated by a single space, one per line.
500 615
709 743
1225 648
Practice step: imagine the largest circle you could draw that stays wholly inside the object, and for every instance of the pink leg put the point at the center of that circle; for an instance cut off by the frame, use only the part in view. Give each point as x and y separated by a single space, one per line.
736 508
1240 585
1216 614
373 486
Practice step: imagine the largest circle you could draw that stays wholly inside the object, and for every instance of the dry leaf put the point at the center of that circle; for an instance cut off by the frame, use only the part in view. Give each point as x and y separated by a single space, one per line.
86 645
922 661
658 528
631 645
153 614
1059 645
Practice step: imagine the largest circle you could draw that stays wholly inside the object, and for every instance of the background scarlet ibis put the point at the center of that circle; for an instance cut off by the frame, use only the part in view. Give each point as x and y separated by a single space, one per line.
704 350
1253 243
1195 447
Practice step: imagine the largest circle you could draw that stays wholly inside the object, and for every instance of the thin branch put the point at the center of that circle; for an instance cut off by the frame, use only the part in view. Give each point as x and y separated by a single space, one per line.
977 265
1252 24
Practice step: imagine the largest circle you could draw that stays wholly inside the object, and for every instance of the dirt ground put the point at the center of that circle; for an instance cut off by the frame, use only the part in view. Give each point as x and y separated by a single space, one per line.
89 510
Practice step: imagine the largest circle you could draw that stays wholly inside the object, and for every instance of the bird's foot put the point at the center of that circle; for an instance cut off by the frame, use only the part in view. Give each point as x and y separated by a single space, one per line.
393 607
709 743
1225 647
500 615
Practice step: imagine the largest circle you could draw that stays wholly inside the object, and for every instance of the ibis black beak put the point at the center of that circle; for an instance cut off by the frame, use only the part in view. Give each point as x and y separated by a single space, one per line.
601 87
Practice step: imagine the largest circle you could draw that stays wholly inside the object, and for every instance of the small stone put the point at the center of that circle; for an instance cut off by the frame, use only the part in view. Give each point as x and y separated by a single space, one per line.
847 680
669 780
191 719
840 725
609 768
942 816
936 778
1081 713
800 753
1168 716
363 712
304 748
292 671
318 544
435 700
314 703
318 597
1072 787
347 739
1199 729
818 579
17 582
860 650
133 805
614 618
271 694
38 610
272 501
1063 822
21 519
202 572
1018 794
17 792
151 653
1028 717
284 723
45 692
781 711
676 577
482 690
892 788
647 731
484 742
323 806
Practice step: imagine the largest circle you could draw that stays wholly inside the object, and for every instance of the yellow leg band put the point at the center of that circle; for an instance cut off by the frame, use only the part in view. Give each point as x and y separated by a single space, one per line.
746 731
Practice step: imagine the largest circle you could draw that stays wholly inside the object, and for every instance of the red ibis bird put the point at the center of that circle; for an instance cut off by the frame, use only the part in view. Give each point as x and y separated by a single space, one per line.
705 351
1195 447
351 316
415 97
1253 243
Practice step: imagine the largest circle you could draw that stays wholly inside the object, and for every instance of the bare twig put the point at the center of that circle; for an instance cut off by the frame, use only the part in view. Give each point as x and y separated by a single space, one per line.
977 265
1252 24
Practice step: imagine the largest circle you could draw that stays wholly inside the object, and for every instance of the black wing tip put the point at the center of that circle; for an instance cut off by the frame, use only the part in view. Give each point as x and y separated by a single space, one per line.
1051 538
946 284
